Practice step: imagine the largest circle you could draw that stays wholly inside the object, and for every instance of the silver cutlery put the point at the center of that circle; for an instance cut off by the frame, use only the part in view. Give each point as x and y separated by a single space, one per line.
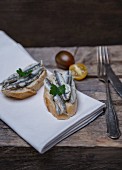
113 78
111 116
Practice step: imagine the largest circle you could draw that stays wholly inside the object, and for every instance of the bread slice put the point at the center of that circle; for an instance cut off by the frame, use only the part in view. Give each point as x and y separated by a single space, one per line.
70 108
59 104
27 91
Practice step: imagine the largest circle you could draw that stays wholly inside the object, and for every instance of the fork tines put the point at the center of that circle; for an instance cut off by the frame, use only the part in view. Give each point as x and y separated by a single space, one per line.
103 51
103 59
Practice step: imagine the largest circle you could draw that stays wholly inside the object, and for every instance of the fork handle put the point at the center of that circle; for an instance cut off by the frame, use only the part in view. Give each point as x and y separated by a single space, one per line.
111 117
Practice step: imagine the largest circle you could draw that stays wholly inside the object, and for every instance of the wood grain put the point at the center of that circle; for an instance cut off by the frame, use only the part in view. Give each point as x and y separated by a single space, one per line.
85 55
95 133
62 23
89 148
66 158
91 136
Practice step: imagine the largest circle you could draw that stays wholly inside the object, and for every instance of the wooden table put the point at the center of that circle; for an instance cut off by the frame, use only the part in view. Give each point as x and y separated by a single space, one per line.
62 23
89 148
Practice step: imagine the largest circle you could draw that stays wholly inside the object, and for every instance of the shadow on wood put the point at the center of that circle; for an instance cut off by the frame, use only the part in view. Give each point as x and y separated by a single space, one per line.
61 158
62 23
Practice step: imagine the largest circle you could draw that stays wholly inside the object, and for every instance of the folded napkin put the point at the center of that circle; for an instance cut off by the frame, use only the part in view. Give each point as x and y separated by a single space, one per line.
29 118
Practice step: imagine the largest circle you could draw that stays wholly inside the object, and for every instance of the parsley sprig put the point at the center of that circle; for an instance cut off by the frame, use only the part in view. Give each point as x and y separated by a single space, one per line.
23 73
57 90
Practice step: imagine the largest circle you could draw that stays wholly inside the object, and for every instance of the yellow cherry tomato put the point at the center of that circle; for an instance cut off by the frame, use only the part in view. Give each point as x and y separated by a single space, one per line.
79 71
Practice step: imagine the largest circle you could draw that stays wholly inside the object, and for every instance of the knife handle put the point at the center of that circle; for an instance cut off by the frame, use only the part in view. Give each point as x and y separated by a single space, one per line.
111 117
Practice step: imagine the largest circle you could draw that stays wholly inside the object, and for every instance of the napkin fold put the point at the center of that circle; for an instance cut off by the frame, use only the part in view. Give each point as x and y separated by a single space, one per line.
29 118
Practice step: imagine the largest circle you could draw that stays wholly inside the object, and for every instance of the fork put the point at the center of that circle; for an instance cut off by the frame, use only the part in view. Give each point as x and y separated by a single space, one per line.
111 116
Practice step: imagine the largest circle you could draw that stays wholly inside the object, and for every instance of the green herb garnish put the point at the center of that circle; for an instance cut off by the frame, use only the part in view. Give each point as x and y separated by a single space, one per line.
57 90
23 73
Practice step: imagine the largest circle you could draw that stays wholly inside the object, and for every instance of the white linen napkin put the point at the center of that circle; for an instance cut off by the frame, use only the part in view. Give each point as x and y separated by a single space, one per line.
29 118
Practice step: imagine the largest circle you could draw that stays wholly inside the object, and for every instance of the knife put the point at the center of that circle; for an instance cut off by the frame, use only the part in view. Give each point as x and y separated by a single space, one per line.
114 80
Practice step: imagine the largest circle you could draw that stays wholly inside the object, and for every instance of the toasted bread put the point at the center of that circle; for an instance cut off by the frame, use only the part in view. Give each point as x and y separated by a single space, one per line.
70 110
28 89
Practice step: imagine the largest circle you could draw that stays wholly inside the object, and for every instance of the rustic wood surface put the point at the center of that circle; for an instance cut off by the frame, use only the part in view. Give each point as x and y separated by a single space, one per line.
62 22
89 148
67 158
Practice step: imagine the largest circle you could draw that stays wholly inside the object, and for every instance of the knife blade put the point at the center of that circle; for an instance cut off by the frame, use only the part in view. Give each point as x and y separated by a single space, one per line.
114 80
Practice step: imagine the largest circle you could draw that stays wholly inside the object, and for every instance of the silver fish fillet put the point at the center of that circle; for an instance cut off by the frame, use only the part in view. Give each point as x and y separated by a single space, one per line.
60 81
73 92
61 104
47 84
67 77
24 81
58 110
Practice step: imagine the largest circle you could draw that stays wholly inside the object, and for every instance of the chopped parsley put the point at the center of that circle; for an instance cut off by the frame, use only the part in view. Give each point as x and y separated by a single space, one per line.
57 90
23 73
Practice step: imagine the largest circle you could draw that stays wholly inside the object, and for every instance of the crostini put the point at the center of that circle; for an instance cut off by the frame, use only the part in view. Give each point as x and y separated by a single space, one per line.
24 83
60 95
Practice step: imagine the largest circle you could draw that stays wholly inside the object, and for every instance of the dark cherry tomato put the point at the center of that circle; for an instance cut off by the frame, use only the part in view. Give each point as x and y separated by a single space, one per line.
64 59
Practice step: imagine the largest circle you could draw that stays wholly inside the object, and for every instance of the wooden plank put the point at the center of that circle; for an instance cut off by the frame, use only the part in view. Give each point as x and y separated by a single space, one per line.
91 136
62 23
48 54
88 56
66 158
85 55
95 133
96 89
89 148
